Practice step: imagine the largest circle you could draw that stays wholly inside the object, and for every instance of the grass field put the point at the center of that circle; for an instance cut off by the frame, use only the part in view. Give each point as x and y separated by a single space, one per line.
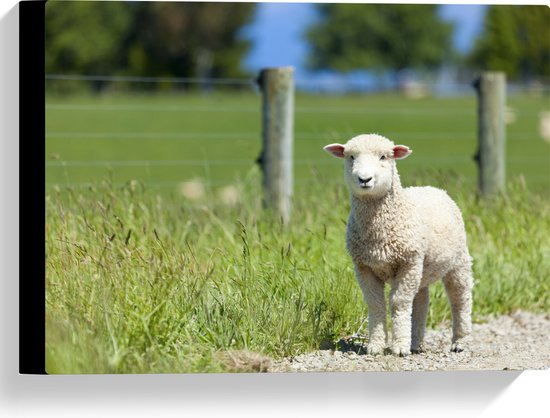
141 279
164 140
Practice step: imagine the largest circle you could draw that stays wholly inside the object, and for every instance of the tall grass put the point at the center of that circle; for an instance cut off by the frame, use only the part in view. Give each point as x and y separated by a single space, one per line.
139 282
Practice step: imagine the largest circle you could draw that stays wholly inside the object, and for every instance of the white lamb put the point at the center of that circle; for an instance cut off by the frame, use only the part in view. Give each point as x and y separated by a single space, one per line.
406 237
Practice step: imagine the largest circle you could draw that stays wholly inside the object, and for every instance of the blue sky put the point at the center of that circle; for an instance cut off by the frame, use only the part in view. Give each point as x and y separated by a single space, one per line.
277 32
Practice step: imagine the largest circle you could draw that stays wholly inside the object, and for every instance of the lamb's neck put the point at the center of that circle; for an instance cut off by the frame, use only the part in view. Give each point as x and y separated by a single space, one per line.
365 209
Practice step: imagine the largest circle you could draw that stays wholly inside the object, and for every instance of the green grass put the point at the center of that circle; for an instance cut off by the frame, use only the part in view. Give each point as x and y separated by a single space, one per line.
141 280
168 139
140 283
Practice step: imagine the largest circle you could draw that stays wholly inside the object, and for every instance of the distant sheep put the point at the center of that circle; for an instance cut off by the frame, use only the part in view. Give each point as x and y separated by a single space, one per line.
405 237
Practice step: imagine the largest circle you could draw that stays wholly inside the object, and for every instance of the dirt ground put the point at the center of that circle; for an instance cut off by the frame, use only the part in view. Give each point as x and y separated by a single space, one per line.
520 341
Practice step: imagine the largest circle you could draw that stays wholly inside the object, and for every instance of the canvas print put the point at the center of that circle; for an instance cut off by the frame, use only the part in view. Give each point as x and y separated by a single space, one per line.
296 187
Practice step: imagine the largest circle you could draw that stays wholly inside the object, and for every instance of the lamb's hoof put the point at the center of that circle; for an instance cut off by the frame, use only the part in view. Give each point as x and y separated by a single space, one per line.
400 351
418 350
374 350
457 347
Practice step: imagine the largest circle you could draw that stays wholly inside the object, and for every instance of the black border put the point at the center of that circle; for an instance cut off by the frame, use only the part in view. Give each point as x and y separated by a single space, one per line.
32 216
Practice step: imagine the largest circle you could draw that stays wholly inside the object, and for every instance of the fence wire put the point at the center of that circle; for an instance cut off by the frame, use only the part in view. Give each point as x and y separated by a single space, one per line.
214 107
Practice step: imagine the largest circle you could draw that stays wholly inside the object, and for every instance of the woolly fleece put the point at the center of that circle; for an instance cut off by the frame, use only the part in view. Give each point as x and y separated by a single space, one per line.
407 238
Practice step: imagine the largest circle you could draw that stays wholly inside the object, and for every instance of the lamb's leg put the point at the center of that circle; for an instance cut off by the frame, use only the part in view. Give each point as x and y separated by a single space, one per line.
404 289
373 293
458 284
421 303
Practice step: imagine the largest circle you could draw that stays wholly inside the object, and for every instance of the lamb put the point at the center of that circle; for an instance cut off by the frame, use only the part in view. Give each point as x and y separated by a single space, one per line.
405 237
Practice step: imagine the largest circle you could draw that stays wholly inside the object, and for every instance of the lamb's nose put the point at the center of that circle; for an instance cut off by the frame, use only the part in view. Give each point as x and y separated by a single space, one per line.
362 180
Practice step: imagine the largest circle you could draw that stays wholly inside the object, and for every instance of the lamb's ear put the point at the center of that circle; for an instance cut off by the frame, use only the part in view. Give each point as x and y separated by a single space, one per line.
335 149
401 151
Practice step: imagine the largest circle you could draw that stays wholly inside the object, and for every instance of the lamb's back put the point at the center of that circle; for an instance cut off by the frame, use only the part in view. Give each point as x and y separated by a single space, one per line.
436 208
443 226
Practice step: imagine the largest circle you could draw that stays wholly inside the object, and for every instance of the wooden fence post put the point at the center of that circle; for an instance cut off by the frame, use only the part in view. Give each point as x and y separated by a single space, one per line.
491 153
276 159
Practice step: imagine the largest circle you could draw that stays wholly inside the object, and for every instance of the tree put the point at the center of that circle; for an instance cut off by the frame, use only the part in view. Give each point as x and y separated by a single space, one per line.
146 38
84 37
515 40
379 37
188 39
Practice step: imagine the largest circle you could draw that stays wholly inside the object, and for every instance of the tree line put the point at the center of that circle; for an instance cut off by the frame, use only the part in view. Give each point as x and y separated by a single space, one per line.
203 39
146 38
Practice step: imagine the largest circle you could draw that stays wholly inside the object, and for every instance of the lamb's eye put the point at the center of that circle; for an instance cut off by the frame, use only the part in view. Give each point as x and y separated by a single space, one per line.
383 157
351 157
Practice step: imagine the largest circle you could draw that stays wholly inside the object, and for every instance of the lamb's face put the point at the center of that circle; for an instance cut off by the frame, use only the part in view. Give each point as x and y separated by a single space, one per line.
369 162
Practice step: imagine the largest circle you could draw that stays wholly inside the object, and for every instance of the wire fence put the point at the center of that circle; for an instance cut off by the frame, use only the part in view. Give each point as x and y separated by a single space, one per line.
155 80
242 109
91 133
300 161
254 136
321 84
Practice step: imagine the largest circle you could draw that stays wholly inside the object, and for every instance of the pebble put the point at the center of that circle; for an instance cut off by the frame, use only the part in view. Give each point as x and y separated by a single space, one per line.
517 342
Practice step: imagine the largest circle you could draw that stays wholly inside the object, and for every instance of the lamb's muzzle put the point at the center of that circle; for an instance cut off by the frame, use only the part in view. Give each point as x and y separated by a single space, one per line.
367 183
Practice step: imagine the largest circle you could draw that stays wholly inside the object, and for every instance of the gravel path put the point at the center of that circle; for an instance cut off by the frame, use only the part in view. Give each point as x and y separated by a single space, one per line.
518 341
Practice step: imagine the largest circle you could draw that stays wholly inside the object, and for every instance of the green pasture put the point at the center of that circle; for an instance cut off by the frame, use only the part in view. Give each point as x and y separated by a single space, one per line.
142 279
163 140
